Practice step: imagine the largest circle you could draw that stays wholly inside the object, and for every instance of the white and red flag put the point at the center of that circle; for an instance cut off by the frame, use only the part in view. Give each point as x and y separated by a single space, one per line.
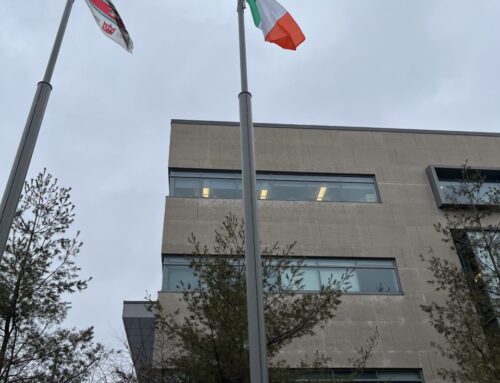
110 22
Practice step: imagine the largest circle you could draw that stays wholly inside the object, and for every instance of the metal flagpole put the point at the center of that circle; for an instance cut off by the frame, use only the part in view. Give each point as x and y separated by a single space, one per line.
21 164
255 306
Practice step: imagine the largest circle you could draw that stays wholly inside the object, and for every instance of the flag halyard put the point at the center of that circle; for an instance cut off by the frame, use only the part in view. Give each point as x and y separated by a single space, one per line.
109 21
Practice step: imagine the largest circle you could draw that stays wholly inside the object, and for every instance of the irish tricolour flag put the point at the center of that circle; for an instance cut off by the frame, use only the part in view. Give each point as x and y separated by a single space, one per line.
276 23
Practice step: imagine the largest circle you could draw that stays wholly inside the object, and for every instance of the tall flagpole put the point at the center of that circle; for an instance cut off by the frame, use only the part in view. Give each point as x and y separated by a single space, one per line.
255 306
26 147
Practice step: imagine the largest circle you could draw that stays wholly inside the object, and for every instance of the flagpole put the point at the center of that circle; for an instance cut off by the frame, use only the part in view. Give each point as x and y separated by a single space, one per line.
26 147
257 346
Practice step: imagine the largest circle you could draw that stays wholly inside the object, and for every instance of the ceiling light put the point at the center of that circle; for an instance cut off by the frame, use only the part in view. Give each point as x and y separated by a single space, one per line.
321 194
206 192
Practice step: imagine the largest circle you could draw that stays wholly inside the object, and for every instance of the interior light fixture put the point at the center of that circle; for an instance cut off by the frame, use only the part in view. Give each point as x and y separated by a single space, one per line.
263 194
205 192
321 193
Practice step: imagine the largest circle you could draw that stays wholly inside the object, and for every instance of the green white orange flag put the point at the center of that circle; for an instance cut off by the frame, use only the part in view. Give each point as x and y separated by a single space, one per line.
276 23
110 22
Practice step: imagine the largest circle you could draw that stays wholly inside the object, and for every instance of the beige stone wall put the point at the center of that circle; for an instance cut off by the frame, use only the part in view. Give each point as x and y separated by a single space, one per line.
400 227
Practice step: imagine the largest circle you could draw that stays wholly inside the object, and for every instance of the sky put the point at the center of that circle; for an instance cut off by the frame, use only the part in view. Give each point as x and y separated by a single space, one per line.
427 64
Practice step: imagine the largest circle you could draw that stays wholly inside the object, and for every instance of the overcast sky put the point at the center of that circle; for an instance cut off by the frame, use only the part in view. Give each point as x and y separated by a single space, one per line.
426 64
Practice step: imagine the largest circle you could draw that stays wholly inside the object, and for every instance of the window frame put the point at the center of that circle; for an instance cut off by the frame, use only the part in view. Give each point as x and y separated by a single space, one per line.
434 180
267 175
318 267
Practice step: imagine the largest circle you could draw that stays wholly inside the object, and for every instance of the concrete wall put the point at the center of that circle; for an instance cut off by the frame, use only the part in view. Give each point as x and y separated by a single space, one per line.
401 227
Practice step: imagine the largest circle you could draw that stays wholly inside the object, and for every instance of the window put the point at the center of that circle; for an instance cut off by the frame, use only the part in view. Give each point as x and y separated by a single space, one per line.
368 376
369 276
486 248
177 275
479 253
275 186
324 375
445 181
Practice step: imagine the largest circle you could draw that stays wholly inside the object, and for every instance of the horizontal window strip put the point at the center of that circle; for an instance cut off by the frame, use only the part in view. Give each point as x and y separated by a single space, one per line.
324 375
368 276
368 375
276 186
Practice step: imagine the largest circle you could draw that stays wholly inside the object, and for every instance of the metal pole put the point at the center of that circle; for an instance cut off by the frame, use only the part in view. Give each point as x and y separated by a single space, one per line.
26 147
255 306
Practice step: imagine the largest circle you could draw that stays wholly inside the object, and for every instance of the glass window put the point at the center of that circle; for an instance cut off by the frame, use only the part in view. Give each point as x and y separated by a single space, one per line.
367 375
370 276
181 278
335 262
486 248
479 253
358 192
449 188
310 279
399 376
187 187
178 277
275 186
349 276
373 280
222 188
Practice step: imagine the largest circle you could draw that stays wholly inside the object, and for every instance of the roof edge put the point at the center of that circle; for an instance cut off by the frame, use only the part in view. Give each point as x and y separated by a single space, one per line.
335 127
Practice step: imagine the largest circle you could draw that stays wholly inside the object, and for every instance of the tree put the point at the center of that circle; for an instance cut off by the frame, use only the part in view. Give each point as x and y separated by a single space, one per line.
116 366
206 339
38 271
469 318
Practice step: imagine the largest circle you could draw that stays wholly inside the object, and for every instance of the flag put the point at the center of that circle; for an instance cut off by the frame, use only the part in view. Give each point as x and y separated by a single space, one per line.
110 22
276 23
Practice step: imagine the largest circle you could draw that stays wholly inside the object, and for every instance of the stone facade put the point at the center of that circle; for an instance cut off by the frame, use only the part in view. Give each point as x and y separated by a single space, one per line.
400 227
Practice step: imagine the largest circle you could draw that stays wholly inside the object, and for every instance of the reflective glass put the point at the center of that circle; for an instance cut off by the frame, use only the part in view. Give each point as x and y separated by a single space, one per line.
352 192
333 192
310 279
291 191
373 376
390 376
178 274
450 191
187 187
351 283
336 262
309 276
377 280
376 276
223 188
487 259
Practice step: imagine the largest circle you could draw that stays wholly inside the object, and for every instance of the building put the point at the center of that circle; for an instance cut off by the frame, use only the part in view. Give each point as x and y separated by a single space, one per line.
365 198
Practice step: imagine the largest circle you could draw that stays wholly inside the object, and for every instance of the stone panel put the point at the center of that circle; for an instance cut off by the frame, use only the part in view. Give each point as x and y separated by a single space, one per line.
401 227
